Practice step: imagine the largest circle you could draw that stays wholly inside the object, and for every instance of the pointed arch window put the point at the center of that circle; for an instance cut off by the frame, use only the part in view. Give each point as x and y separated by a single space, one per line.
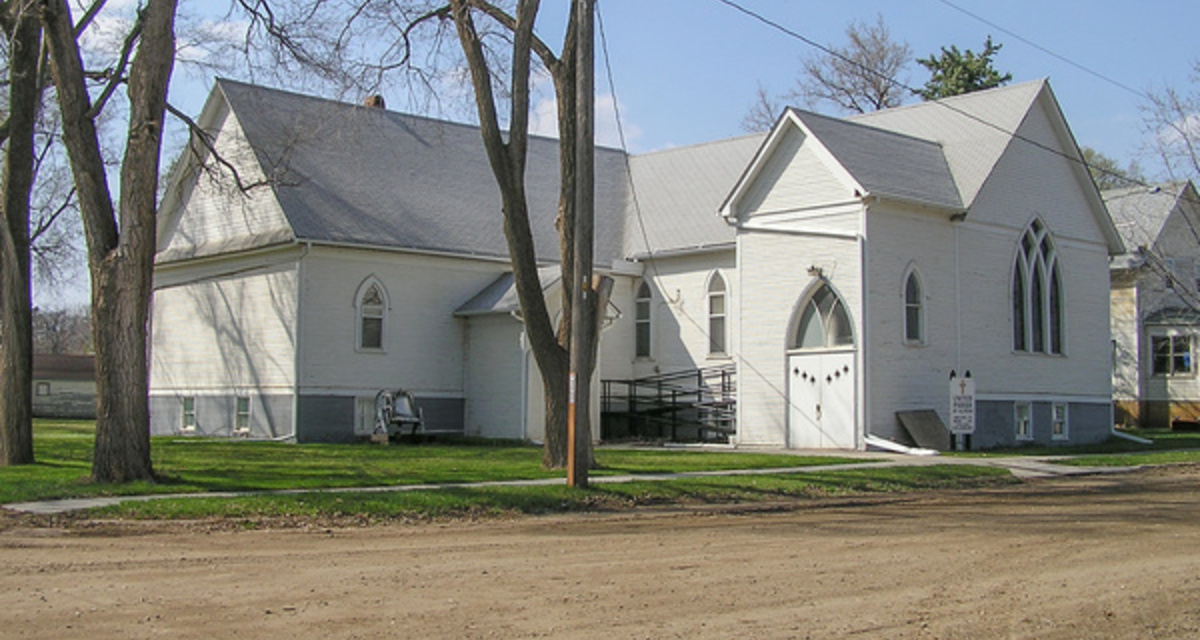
371 315
641 321
716 315
914 309
1037 296
824 322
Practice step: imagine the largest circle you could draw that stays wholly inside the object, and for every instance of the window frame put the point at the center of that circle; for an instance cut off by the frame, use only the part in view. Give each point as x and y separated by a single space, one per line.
188 420
913 275
643 321
1025 434
364 312
718 338
241 419
42 389
1171 371
1055 432
1036 294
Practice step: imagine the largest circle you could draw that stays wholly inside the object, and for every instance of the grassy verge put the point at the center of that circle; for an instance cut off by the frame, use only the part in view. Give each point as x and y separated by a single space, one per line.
188 465
250 511
1167 447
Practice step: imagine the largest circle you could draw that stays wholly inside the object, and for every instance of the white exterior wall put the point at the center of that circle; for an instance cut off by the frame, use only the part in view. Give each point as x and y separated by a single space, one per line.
423 343
903 376
679 313
772 281
1028 182
496 377
226 333
214 216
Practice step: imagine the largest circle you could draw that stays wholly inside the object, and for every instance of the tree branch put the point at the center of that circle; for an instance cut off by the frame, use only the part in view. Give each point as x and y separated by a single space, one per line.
206 140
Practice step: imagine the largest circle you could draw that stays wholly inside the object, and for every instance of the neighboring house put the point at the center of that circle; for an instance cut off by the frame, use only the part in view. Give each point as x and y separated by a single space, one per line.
1156 304
64 386
854 265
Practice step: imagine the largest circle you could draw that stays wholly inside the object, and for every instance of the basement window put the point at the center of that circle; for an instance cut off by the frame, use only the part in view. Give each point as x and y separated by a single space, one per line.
189 414
1023 417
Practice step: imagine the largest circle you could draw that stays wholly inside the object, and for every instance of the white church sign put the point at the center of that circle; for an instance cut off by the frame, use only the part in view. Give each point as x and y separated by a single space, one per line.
962 404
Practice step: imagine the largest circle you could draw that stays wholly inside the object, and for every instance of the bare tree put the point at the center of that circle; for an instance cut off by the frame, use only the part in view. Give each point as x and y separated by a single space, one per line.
763 113
496 51
120 234
861 76
62 330
20 22
1171 119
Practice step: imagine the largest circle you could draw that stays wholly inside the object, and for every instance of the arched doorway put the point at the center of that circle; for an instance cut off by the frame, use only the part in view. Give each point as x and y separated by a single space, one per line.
821 374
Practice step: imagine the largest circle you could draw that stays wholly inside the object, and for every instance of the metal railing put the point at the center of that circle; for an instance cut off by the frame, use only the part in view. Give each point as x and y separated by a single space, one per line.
691 405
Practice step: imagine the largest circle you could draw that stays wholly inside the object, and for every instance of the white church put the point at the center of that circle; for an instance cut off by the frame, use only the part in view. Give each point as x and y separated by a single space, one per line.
807 287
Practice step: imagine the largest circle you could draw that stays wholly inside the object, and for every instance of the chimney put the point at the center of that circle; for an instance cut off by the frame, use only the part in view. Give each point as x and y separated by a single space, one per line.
374 102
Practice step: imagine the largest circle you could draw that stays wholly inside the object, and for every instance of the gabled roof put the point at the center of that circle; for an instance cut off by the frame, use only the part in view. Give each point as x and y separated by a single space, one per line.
974 130
677 192
501 295
885 163
1140 213
353 175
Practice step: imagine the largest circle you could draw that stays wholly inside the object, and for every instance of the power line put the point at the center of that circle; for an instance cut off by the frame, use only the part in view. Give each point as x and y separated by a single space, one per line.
942 103
1046 51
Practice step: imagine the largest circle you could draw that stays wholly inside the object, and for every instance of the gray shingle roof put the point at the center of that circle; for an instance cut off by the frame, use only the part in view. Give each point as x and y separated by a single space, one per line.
1139 213
679 191
362 176
887 163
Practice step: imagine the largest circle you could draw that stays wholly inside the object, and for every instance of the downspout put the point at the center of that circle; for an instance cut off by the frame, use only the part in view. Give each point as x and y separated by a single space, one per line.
297 341
863 430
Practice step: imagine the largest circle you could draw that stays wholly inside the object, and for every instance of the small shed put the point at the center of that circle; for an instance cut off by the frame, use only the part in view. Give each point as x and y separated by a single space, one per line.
64 386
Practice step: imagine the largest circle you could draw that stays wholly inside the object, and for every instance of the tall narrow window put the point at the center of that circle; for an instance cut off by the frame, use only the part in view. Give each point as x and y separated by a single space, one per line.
371 307
716 315
642 327
914 310
1037 293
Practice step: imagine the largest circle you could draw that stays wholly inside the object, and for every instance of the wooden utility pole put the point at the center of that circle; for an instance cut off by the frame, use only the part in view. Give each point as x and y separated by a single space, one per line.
583 307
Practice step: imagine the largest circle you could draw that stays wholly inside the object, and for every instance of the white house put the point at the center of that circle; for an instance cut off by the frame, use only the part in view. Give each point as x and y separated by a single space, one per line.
841 268
1156 304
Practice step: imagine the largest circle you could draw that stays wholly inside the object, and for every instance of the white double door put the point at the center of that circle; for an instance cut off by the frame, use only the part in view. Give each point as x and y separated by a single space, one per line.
821 391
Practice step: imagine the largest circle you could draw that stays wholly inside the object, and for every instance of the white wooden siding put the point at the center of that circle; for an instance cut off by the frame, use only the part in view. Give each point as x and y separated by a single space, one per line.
215 216
772 279
902 376
796 176
495 377
424 343
232 333
679 313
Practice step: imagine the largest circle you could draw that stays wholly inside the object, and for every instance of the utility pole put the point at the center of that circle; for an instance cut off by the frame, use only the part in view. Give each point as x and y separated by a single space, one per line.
583 307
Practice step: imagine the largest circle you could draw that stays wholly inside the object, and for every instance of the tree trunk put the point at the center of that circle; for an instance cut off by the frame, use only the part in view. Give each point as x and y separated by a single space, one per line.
120 256
16 338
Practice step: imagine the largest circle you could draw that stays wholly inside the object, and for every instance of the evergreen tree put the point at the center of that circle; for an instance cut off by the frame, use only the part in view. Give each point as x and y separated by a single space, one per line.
957 72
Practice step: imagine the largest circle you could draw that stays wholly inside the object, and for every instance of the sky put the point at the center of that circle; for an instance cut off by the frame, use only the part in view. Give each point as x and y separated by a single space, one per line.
687 71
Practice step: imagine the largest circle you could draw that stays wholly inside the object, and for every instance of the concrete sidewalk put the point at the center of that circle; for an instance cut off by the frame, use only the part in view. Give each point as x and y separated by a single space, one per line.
1020 466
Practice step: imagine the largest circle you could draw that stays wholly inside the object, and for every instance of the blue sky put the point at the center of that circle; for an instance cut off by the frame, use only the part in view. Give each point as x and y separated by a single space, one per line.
686 71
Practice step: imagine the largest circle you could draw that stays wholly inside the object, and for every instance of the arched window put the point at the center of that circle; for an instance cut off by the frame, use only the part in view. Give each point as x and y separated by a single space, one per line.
716 315
641 320
824 322
371 315
1037 298
914 309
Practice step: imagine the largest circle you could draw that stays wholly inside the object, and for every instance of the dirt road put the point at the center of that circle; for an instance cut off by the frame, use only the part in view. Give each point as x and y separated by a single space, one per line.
1092 557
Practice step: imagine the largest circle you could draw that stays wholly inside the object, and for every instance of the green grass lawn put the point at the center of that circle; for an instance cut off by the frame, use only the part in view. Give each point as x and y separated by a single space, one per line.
364 507
190 465
63 451
1168 447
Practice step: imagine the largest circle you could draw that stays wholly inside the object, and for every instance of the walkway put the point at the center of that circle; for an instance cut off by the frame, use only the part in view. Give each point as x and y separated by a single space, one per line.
1020 466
